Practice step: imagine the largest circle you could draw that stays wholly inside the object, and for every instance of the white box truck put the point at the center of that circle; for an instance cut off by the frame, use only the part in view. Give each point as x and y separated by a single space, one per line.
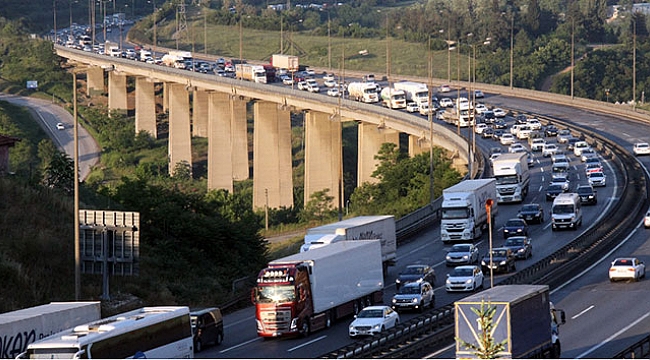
512 175
415 91
177 59
22 327
525 319
281 61
307 291
379 227
250 72
464 215
364 92
393 98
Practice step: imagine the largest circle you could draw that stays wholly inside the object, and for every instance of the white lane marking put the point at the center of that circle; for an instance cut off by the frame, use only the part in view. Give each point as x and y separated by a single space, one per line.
642 318
251 319
240 345
437 353
582 312
307 343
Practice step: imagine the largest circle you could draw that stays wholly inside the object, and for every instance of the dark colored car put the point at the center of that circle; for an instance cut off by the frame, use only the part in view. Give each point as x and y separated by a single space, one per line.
207 327
515 227
503 260
553 190
416 273
487 133
587 195
499 124
496 134
521 119
551 130
520 246
532 213
488 116
571 142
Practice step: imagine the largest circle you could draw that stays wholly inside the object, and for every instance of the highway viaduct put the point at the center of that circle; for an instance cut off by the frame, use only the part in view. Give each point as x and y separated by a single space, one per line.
217 109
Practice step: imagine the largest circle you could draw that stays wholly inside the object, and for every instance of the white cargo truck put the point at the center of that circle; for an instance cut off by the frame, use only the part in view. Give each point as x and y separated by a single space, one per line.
22 327
393 98
307 291
177 59
512 175
415 91
281 61
464 215
364 92
380 227
250 72
525 321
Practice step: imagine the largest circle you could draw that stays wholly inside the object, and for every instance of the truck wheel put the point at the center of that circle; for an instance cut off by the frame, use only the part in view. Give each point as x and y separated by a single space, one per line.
304 330
556 350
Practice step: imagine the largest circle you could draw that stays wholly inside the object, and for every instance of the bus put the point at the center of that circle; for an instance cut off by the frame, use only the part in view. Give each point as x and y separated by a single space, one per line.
149 332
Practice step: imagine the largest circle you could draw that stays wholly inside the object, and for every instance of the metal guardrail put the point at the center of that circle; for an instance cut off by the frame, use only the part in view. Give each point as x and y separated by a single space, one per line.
552 270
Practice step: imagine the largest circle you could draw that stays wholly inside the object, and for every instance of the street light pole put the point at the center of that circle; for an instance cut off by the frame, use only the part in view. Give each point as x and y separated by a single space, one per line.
77 248
634 63
572 52
512 48
430 116
488 207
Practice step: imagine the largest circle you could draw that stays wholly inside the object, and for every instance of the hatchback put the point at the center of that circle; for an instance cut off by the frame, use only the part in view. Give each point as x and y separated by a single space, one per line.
532 213
464 278
462 254
597 178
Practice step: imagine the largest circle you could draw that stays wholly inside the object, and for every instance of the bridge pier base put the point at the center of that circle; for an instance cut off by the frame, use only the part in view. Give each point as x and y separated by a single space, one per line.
145 107
371 137
323 155
180 139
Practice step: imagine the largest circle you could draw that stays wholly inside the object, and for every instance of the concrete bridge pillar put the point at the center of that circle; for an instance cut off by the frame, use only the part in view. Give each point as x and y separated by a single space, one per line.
220 150
323 155
370 139
239 128
180 139
145 107
200 106
95 79
417 145
272 172
165 102
117 92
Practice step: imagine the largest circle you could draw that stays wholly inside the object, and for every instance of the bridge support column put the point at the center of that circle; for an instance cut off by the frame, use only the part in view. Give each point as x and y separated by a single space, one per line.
239 128
117 92
166 96
323 155
200 113
417 145
145 107
95 79
180 139
220 151
272 173
370 139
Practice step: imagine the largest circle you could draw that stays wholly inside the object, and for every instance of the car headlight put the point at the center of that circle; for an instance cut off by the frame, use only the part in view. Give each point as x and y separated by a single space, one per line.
502 262
520 230
398 281
506 230
415 300
521 250
448 257
376 327
465 257
351 327
394 300
449 281
483 262
468 281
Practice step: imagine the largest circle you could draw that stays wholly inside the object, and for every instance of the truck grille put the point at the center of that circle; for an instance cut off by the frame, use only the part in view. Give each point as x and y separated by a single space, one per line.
278 320
507 190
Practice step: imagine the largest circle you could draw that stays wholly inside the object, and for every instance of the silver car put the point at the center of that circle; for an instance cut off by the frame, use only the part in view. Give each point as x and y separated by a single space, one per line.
465 278
416 296
462 254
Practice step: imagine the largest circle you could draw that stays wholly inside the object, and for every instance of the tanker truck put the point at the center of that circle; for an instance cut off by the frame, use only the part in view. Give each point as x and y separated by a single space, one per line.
308 291
392 98
364 92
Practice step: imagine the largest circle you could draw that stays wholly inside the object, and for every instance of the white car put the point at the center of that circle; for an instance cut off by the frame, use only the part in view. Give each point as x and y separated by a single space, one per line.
334 92
480 108
498 112
330 83
627 268
478 94
579 146
597 178
445 88
446 102
561 180
412 107
563 136
516 147
302 85
646 220
60 126
464 278
537 144
373 320
534 124
424 109
507 139
641 148
549 149
287 80
479 128
328 77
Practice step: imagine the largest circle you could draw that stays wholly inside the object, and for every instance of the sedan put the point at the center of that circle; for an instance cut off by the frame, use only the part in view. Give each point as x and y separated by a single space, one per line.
503 260
478 94
287 80
412 107
498 112
626 268
496 134
327 77
373 320
464 278
480 108
553 190
60 126
507 139
520 246
641 148
334 92
561 180
416 296
563 136
487 133
445 88
521 119
515 227
499 124
532 213
593 167
330 83
446 102
462 254
516 147
416 273
549 149
597 179
587 195
551 130
588 154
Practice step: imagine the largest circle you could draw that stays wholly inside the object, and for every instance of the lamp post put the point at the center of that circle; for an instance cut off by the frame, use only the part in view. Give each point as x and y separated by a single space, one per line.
77 250
488 208
634 62
430 118
572 52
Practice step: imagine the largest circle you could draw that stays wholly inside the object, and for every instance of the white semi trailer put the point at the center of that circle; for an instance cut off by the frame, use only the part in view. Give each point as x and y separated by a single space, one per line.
464 211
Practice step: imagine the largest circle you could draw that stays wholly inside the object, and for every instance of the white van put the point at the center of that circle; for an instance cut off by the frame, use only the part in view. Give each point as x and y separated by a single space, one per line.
566 212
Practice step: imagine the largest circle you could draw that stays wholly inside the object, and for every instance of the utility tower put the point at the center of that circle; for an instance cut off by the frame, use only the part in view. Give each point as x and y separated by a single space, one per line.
181 22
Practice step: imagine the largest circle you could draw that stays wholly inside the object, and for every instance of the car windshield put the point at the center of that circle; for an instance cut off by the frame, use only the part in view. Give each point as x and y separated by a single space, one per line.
462 272
408 290
584 190
529 208
460 248
374 313
514 242
498 253
554 187
563 209
454 213
511 223
595 175
414 270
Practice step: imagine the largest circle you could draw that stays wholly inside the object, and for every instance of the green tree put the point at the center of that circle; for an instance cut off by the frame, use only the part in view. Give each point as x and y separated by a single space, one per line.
487 347
319 207
59 173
